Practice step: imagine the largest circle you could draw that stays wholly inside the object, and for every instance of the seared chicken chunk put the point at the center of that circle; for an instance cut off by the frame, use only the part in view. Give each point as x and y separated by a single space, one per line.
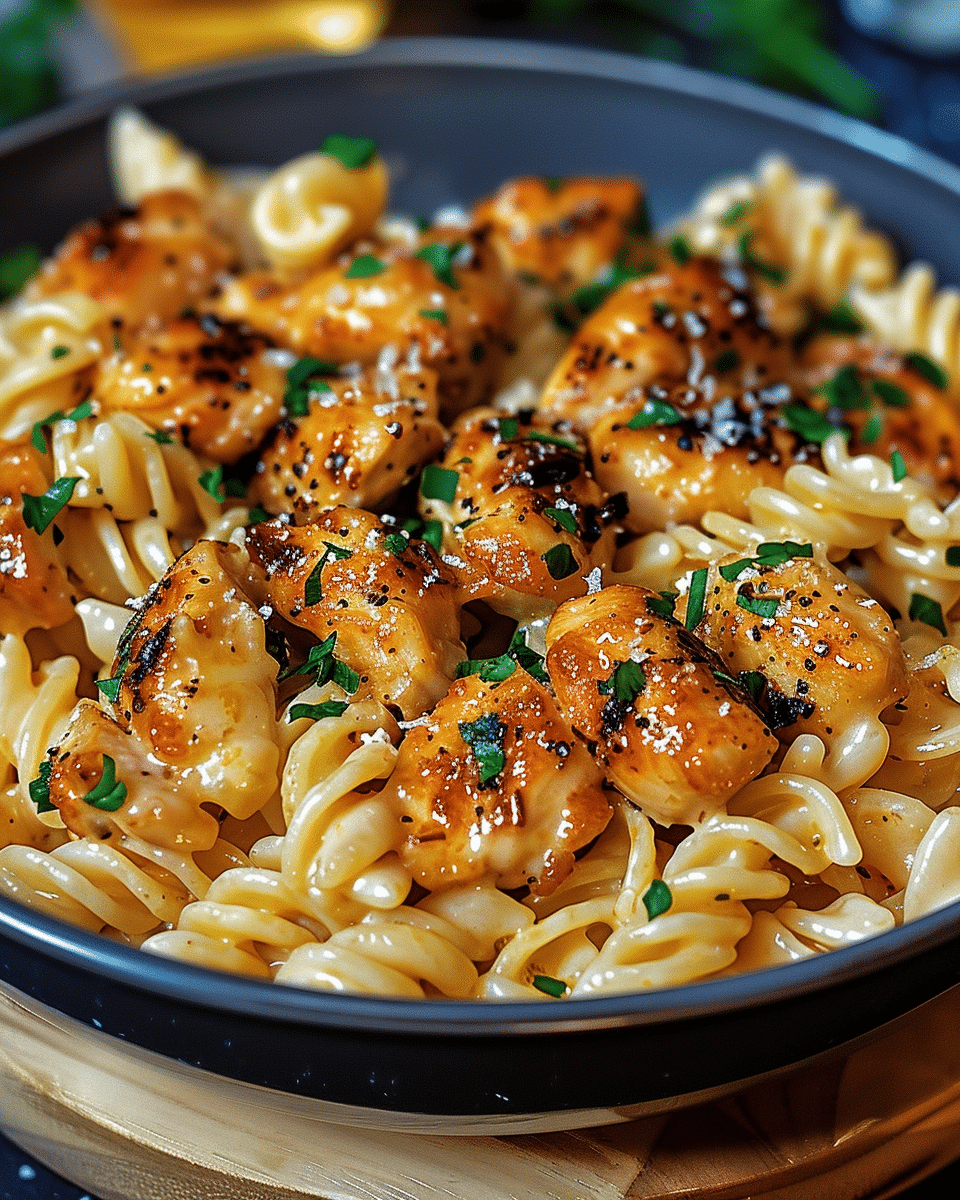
524 520
214 385
34 590
358 442
196 727
141 264
494 784
685 323
675 734
444 304
677 454
562 231
390 601
891 403
828 652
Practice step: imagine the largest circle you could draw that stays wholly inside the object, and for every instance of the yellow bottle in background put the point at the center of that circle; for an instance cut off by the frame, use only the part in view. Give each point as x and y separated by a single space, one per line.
162 35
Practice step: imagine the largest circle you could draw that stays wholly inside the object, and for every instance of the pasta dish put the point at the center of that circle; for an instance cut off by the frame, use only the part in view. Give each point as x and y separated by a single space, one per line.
519 602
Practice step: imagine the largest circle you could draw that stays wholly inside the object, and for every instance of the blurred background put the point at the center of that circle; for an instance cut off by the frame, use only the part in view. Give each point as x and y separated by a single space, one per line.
893 62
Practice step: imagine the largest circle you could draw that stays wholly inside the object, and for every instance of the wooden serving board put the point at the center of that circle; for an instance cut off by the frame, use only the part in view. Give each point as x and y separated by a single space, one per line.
130 1125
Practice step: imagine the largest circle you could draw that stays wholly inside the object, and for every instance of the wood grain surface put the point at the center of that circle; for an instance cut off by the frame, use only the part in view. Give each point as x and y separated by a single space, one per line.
130 1125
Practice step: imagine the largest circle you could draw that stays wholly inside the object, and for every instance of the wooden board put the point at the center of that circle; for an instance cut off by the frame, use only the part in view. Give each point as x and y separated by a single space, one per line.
130 1125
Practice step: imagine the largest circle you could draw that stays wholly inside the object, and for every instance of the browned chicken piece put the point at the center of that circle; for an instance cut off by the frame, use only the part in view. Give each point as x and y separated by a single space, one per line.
675 734
494 785
828 653
524 520
360 440
677 455
445 304
214 385
145 264
195 729
34 590
390 601
692 323
562 231
891 403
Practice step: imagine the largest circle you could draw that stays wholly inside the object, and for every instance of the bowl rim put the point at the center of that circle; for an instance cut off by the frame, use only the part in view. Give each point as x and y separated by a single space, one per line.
188 984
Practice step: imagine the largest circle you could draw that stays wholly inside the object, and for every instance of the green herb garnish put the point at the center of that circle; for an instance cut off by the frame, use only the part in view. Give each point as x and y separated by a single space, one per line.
485 736
438 483
563 517
257 514
845 389
765 607
696 598
727 360
16 267
769 554
680 249
396 543
325 668
60 352
657 898
551 439
872 430
559 560
161 438
350 152
922 608
891 394
318 712
811 425
654 412
212 481
365 266
663 604
37 438
312 590
435 314
109 794
550 986
843 318
930 370
898 466
430 532
626 683
39 511
952 556
769 271
507 428
110 687
440 257
39 788
735 213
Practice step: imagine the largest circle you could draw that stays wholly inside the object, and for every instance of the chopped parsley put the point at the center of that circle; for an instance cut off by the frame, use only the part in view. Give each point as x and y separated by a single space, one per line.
365 266
754 683
212 481
304 383
589 296
485 736
930 370
440 257
735 213
495 670
657 898
60 352
811 425
257 514
318 712
769 271
396 543
891 394
696 598
435 314
430 532
662 605
438 483
872 430
321 664
769 554
507 428
39 511
39 788
922 608
549 986
552 439
16 267
110 687
559 560
78 414
898 466
161 438
351 152
761 606
680 249
312 590
563 517
845 389
109 794
952 556
626 683
654 412
843 318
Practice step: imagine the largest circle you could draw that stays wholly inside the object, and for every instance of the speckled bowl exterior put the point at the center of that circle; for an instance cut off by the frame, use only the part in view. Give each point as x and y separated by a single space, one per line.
455 118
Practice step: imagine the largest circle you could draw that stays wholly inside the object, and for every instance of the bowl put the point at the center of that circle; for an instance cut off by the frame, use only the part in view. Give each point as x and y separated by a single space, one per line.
454 118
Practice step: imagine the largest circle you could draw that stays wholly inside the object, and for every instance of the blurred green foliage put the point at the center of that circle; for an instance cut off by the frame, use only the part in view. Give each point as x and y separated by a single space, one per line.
28 69
779 43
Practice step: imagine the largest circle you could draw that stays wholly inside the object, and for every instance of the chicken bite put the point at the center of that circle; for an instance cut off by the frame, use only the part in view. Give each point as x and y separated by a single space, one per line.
670 727
353 441
524 520
390 601
143 264
493 784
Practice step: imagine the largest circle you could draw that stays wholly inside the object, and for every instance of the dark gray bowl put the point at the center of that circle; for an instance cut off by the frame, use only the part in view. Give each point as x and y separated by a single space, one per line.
455 118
